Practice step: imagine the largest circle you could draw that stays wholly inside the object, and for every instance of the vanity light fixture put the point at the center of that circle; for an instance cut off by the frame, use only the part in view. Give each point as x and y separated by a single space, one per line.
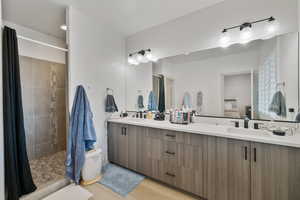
142 56
246 30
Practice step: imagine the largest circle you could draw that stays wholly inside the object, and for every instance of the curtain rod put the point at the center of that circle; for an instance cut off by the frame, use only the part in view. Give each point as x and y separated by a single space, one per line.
41 43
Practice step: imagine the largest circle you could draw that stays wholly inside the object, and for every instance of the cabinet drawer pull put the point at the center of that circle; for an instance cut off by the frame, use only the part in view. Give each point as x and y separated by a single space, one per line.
255 155
171 153
172 136
169 174
246 153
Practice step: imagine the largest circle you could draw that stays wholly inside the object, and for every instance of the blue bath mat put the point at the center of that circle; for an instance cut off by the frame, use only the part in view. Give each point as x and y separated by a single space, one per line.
120 180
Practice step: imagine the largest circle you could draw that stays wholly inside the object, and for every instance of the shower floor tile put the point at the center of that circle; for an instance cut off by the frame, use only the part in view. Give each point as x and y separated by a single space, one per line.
48 169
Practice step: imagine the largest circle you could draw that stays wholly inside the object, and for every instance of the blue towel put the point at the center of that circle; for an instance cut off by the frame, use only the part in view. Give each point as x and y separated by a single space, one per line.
110 105
82 135
278 104
152 102
140 101
187 100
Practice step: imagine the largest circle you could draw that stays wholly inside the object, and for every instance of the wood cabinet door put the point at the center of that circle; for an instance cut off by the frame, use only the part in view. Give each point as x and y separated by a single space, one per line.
118 144
192 163
150 152
133 146
275 172
228 169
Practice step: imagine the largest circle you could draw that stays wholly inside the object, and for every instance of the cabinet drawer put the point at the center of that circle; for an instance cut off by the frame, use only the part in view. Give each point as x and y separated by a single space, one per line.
170 149
170 171
173 136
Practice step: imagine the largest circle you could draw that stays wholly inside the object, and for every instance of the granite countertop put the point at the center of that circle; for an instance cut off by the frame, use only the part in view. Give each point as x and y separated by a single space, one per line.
216 130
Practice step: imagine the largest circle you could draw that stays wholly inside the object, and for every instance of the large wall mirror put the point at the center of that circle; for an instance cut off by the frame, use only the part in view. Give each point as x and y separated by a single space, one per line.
259 80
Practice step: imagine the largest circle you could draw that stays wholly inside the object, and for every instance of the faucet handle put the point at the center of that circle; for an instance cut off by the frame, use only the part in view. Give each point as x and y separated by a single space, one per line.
256 125
236 124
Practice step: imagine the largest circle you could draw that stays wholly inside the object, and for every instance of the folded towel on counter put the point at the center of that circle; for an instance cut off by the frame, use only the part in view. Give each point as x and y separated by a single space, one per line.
152 102
278 104
82 135
141 102
110 105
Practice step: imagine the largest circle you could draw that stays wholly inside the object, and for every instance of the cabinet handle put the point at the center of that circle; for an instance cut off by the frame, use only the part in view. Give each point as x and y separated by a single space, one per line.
171 153
246 153
255 155
169 174
125 131
172 136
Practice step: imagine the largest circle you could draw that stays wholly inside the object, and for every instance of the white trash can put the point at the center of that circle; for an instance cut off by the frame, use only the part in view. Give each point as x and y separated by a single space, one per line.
91 170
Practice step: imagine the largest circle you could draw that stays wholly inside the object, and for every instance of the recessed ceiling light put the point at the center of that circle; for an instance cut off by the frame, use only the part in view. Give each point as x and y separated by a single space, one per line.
64 27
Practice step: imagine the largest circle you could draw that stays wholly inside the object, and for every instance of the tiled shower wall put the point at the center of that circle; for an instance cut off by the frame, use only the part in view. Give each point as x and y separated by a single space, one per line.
44 105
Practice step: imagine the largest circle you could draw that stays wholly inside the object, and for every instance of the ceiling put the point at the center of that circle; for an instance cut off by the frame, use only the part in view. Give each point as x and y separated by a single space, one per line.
127 16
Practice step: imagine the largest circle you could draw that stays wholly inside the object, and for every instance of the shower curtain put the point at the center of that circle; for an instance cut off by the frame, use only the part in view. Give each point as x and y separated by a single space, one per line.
161 99
18 179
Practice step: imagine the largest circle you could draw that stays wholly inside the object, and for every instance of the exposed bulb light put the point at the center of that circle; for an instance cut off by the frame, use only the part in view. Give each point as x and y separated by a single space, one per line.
64 27
150 56
140 57
272 26
225 39
246 33
132 61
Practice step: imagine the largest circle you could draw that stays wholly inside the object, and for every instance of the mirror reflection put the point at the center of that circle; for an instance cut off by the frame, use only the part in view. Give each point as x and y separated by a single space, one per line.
258 80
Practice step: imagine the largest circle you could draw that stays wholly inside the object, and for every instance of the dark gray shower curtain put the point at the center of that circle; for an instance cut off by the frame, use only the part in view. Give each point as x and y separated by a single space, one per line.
161 99
18 179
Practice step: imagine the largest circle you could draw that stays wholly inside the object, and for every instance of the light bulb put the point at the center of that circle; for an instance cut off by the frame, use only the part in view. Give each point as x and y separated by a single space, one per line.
150 56
132 61
272 27
246 35
64 27
139 57
225 40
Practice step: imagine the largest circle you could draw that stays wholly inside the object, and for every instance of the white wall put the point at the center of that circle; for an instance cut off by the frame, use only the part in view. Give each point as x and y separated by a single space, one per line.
96 61
2 189
34 50
138 82
238 87
204 71
202 29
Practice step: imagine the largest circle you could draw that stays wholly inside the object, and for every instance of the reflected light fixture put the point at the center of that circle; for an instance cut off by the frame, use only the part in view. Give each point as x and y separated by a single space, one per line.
142 56
132 60
64 27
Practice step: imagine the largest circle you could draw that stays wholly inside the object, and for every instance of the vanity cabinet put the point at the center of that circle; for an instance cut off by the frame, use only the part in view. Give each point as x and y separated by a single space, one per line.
213 168
228 169
118 144
275 172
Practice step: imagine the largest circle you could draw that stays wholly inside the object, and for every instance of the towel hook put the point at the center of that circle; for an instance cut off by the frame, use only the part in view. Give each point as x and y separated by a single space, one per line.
109 90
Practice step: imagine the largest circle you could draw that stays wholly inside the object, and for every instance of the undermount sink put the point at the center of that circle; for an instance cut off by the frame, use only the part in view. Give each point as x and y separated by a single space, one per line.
250 132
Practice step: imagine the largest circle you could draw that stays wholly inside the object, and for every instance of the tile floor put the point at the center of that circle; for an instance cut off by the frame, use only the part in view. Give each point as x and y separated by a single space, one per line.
48 169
